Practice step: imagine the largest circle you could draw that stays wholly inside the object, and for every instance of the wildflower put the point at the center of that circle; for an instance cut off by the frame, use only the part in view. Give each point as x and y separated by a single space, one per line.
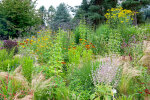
23 46
21 43
80 39
85 40
72 43
87 46
106 73
140 92
33 36
31 40
93 46
27 39
122 21
83 43
146 91
63 62
74 48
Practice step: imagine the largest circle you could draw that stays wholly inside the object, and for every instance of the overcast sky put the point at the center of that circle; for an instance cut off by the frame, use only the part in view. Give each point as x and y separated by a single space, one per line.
55 3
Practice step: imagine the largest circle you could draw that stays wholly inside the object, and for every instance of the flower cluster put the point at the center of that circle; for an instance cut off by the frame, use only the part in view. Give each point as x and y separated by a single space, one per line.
106 73
119 15
86 44
26 42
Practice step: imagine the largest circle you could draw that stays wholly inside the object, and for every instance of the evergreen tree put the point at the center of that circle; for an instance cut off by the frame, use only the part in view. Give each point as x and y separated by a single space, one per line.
51 15
16 16
43 14
95 9
62 17
135 5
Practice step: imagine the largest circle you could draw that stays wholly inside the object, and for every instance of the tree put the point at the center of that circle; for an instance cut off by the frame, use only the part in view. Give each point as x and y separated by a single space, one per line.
16 16
95 9
135 5
62 17
43 14
51 14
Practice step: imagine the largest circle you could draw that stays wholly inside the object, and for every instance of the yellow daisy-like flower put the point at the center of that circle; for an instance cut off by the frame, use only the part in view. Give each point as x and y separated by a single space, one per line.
33 36
122 21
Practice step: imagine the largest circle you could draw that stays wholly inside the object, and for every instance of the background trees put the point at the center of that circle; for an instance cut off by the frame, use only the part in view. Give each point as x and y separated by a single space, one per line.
62 18
16 16
95 9
43 15
135 5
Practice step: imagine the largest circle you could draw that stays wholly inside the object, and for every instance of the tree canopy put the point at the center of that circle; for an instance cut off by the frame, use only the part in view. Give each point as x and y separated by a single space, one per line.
16 16
62 17
95 9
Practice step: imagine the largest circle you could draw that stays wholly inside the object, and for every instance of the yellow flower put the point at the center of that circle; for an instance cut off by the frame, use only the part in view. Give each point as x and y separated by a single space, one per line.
122 21
31 40
33 36
27 39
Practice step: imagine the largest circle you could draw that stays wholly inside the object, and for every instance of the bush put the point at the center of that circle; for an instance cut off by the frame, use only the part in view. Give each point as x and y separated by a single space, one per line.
81 82
7 62
9 45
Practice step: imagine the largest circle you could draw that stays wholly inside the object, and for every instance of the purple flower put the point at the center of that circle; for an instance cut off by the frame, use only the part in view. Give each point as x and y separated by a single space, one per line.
106 73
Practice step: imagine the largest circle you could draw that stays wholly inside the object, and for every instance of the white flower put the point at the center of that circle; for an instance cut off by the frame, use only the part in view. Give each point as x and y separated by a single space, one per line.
114 91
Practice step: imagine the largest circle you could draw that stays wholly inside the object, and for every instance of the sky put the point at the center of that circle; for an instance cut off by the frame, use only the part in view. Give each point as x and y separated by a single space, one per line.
55 3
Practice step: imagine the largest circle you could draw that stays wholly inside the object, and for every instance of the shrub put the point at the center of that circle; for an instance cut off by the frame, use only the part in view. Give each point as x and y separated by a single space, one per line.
100 39
102 92
106 73
9 45
7 60
80 81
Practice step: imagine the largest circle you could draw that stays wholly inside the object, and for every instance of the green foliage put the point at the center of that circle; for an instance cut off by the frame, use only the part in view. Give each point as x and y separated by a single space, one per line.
27 67
100 39
80 81
62 17
7 59
135 5
9 87
95 9
102 92
114 43
43 13
17 15
54 90
82 31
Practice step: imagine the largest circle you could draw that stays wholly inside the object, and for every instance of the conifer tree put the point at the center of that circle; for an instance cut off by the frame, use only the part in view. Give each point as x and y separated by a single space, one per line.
62 17
135 5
